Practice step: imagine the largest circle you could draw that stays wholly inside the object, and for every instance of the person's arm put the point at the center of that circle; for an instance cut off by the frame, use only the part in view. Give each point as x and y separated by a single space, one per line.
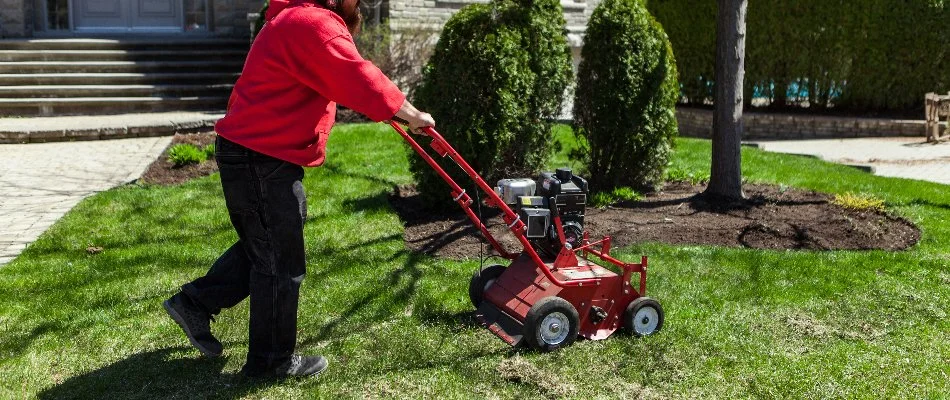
335 69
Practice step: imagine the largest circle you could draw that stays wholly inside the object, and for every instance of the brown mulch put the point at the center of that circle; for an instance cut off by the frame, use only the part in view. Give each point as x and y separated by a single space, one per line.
771 218
163 172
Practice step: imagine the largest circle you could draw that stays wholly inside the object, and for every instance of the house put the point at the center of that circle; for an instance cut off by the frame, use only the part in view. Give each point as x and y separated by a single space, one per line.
78 18
61 57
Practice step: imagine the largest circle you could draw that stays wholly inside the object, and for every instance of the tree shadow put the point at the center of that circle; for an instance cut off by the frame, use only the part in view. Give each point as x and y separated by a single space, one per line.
157 374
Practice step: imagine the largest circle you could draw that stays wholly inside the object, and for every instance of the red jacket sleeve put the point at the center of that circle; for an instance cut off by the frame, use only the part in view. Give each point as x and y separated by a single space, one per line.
335 69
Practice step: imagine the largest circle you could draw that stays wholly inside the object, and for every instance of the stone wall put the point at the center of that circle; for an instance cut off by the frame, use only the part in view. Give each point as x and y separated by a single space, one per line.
16 18
695 122
432 14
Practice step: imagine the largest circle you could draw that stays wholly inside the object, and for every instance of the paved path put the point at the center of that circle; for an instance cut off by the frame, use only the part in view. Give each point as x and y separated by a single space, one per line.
907 157
40 182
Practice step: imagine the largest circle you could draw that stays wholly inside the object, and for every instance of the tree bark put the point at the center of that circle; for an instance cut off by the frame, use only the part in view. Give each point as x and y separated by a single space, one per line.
725 178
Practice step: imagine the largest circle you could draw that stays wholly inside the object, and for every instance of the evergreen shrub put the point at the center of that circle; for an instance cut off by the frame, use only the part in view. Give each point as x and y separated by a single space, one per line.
626 97
864 56
494 85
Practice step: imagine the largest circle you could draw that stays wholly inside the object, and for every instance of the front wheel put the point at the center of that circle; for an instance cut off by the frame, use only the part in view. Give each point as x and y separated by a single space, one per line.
644 316
481 281
551 323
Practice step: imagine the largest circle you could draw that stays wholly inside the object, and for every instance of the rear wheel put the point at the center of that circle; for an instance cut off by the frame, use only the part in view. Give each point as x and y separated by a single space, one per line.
551 323
644 316
481 281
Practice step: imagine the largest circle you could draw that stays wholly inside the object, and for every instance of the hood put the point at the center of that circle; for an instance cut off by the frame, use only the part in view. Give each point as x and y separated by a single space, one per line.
275 7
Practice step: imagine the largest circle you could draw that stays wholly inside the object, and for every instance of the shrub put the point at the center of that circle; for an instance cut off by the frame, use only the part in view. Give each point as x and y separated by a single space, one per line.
259 22
494 84
209 151
400 54
861 56
626 97
184 154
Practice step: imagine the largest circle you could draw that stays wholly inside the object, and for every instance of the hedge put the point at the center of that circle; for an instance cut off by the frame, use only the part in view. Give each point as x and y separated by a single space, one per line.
626 97
867 56
494 84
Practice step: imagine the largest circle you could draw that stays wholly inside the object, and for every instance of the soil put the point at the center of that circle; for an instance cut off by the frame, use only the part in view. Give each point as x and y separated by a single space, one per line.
163 172
771 218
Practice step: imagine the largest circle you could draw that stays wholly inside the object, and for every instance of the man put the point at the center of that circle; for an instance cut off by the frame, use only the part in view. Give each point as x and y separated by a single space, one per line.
279 116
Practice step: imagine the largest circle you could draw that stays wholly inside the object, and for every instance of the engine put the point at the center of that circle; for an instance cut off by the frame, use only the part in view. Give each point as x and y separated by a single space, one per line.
560 194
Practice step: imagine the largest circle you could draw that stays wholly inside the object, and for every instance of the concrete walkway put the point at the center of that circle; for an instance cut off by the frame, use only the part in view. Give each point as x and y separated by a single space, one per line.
904 157
41 182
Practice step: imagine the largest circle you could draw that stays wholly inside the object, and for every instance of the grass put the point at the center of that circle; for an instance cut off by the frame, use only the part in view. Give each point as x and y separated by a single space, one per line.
739 322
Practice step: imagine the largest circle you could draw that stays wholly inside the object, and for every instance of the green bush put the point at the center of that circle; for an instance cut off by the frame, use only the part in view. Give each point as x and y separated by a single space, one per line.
183 154
209 151
494 85
259 22
860 56
626 97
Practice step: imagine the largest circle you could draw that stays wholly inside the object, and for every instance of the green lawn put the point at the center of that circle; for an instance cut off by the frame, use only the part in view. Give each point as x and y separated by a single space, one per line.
739 323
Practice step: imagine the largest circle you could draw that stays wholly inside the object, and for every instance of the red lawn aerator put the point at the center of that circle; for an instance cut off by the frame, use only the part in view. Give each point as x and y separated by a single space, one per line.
551 292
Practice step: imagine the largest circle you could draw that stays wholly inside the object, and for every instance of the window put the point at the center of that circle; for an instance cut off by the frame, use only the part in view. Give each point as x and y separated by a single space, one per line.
57 15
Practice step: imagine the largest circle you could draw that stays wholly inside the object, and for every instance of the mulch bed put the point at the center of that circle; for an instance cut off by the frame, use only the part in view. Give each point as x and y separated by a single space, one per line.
163 172
771 218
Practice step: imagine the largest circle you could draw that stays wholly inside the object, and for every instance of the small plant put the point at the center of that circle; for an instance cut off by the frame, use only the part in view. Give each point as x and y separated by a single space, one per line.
681 175
604 199
184 154
209 151
859 202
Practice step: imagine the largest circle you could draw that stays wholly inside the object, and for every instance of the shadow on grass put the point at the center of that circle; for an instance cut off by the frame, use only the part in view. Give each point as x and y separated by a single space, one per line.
157 374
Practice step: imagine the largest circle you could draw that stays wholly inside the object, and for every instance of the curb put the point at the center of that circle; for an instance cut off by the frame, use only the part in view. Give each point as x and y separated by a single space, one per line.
62 134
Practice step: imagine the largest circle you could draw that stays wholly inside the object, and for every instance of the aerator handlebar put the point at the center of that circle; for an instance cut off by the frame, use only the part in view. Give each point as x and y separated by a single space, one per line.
512 220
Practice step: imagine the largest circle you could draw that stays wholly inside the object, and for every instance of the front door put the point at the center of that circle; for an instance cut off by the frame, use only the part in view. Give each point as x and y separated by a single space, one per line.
128 15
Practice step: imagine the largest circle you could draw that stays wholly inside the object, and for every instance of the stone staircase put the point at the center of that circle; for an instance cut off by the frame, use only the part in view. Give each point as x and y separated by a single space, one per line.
51 77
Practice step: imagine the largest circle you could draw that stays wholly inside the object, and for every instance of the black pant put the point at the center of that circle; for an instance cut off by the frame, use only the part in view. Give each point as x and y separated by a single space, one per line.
267 206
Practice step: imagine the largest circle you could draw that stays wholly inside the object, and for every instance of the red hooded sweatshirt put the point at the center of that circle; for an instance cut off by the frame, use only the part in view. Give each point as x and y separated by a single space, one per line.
301 64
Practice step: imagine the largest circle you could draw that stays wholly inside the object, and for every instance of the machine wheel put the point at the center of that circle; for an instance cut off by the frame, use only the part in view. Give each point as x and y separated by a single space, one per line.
551 323
481 281
644 316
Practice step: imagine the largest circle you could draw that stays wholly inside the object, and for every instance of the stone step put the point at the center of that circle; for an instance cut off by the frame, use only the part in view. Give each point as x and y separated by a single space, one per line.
179 78
171 43
52 67
61 91
121 55
107 105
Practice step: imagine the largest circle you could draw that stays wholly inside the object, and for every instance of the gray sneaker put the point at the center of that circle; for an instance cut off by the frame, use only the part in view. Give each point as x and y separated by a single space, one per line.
297 366
196 324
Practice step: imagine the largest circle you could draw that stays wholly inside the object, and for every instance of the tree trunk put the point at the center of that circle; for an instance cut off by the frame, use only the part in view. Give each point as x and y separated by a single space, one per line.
726 176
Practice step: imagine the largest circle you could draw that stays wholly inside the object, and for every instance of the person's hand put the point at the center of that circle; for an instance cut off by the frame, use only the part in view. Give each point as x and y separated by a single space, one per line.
421 121
415 118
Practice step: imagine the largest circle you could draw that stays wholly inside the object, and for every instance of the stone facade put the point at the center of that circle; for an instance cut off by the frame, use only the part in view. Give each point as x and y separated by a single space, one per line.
695 122
16 18
230 16
432 14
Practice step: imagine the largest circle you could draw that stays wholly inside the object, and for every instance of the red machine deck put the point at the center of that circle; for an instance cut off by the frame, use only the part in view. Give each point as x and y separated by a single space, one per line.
523 284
